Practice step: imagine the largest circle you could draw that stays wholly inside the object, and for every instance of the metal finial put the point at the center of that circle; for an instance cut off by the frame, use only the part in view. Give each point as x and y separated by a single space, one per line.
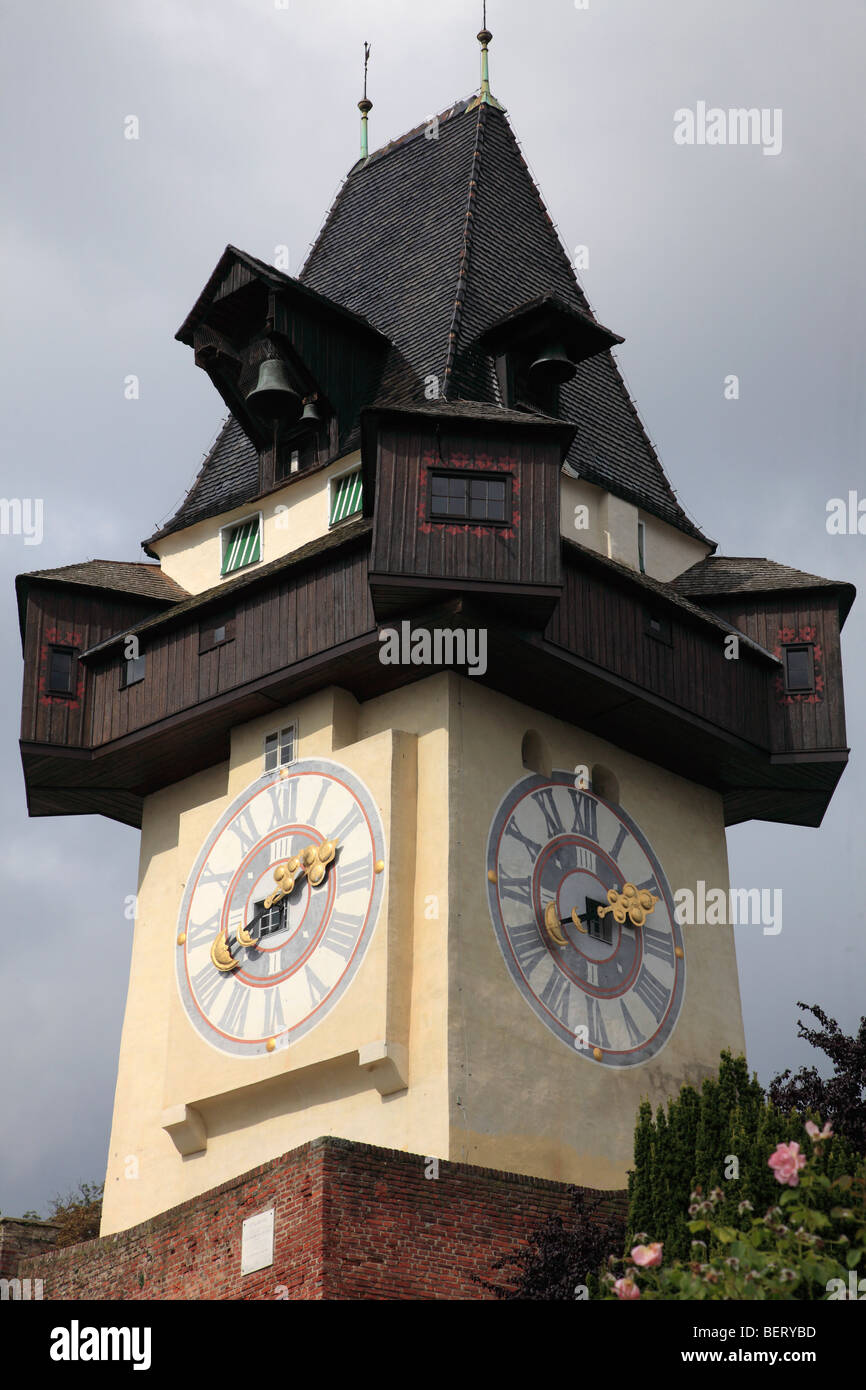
365 106
484 95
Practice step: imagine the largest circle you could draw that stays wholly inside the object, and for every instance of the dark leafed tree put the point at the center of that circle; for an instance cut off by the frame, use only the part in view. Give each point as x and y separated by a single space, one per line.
561 1257
78 1214
841 1098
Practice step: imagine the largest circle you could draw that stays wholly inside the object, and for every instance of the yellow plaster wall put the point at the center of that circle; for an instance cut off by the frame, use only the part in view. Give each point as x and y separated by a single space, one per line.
291 517
612 531
257 1108
520 1099
488 1084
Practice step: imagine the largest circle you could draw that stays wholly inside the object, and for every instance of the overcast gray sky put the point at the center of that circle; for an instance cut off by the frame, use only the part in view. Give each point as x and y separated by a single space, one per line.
710 260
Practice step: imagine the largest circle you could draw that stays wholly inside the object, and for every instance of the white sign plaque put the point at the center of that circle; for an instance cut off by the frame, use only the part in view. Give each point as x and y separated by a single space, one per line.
257 1242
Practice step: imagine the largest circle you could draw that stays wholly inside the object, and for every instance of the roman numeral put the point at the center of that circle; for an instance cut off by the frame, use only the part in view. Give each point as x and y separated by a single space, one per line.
274 1020
527 946
595 1022
585 815
652 993
320 801
209 876
315 986
342 934
284 802
235 1015
517 888
516 833
635 1036
199 932
208 983
342 831
658 943
355 875
618 842
546 804
566 858
557 996
281 849
244 826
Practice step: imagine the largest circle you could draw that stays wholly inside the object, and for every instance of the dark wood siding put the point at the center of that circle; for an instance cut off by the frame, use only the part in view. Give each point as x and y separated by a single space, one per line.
293 618
806 723
407 543
606 624
67 617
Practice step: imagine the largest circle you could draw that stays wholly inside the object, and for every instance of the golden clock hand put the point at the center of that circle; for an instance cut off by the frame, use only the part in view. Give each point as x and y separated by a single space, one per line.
632 904
313 861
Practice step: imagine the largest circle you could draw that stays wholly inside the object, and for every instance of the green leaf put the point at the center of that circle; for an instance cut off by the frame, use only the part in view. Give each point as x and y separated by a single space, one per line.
844 1182
854 1258
725 1234
842 1214
697 1225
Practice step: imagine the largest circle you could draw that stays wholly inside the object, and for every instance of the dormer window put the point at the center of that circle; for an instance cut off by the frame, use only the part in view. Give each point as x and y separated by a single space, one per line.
241 544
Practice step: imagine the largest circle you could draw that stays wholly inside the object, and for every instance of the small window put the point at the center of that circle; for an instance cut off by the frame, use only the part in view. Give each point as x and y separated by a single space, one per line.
641 546
465 497
347 496
273 920
799 668
279 748
294 463
599 928
133 671
659 628
241 544
215 631
61 671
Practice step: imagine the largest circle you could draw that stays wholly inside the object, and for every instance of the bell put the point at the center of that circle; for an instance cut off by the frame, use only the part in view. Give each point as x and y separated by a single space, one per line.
311 414
272 398
554 366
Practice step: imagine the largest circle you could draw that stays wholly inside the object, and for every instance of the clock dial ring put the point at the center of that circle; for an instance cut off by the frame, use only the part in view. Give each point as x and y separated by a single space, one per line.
623 1011
278 992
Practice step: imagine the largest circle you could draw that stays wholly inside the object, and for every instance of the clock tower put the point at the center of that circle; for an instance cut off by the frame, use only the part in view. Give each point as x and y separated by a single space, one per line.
431 705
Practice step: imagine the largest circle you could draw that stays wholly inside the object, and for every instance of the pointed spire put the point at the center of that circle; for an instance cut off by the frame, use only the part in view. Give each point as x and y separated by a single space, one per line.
365 106
485 97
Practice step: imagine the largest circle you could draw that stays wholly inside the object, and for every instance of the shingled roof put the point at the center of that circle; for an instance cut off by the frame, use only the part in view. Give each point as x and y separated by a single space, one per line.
227 478
433 241
132 577
721 576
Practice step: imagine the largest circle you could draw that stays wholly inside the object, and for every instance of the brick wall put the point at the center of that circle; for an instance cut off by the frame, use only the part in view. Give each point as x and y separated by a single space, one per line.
351 1222
19 1238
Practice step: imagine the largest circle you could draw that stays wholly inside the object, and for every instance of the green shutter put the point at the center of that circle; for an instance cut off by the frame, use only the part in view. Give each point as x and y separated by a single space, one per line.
242 545
346 497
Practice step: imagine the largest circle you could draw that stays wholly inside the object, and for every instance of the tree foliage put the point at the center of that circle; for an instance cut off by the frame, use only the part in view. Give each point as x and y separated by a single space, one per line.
841 1099
561 1257
77 1214
717 1139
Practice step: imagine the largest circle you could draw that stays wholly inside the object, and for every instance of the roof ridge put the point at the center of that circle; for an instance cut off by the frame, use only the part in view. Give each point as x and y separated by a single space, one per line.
465 254
360 165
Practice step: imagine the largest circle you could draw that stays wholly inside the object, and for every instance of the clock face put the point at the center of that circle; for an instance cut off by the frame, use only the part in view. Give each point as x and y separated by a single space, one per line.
584 918
280 907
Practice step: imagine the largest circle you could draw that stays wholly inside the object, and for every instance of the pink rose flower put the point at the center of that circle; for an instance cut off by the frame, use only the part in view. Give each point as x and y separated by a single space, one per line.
816 1134
786 1163
648 1255
626 1288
